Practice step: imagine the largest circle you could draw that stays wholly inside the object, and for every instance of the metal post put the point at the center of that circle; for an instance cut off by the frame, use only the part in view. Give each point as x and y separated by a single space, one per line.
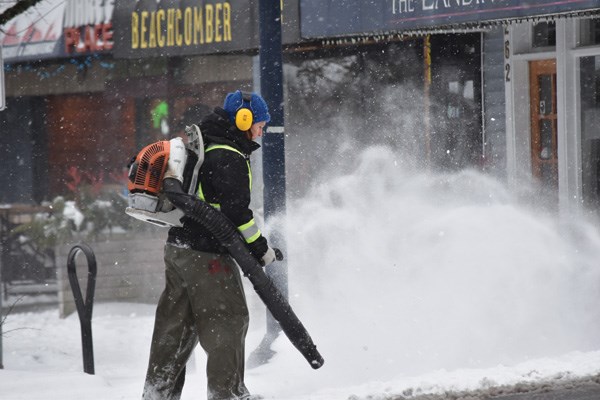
273 149
2 86
3 235
2 107
271 87
427 96
1 320
1 290
84 307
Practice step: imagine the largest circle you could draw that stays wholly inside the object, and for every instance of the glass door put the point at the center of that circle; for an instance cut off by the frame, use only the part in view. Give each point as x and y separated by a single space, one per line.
589 68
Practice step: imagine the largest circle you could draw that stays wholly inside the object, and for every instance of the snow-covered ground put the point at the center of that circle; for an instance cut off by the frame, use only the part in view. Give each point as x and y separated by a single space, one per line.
43 361
408 282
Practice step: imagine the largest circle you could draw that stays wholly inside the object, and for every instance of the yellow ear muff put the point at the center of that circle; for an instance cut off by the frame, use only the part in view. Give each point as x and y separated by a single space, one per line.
243 119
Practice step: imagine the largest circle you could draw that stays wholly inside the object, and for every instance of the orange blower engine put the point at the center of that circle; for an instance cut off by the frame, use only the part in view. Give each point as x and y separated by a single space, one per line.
148 169
155 162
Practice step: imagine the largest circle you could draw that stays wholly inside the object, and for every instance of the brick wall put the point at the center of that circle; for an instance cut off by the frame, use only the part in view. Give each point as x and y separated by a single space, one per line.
93 133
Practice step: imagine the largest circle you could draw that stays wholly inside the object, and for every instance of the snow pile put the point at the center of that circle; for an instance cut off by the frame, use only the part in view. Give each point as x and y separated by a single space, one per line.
422 272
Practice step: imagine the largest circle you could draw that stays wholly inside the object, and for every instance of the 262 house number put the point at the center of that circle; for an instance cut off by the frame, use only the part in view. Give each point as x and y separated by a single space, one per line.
506 56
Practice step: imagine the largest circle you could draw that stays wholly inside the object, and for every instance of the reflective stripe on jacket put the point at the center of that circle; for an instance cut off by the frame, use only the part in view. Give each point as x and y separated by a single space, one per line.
249 230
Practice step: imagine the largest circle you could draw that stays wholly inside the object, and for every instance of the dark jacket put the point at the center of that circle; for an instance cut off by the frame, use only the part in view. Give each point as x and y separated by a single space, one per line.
225 181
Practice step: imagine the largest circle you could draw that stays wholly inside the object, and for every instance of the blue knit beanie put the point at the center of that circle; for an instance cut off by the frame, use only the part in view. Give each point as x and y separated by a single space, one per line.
258 106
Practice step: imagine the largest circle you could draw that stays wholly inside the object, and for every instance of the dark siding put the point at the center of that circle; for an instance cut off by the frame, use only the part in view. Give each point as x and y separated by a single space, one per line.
39 155
16 166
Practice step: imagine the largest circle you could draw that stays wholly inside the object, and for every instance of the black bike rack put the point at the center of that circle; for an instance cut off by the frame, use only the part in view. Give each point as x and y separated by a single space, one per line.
84 309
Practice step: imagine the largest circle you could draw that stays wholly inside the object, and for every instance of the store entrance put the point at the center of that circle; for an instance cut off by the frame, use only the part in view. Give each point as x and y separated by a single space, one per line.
542 91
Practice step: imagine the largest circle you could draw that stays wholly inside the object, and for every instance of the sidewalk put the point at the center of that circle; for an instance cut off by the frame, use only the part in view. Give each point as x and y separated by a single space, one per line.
586 391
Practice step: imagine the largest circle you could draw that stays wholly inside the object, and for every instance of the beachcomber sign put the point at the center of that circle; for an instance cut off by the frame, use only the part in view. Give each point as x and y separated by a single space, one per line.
326 18
151 28
147 28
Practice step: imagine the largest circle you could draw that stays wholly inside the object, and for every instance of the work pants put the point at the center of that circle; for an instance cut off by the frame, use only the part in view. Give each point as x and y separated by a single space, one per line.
203 301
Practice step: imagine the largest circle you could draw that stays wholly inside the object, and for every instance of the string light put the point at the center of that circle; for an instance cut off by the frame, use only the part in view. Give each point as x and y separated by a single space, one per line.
80 63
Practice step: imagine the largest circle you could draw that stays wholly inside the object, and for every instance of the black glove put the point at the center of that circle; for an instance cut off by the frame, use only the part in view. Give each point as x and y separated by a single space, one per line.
258 247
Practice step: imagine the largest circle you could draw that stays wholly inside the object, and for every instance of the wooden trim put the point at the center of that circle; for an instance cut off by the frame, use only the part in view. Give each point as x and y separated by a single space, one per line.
537 69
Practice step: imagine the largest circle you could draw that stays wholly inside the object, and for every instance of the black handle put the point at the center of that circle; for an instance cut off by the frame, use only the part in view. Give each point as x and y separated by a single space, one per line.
278 254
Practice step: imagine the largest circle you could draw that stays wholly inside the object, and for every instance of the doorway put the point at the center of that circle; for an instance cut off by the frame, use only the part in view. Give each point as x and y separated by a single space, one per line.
455 109
543 111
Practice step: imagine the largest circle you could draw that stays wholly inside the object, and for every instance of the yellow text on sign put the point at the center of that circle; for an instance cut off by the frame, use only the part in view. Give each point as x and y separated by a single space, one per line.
171 27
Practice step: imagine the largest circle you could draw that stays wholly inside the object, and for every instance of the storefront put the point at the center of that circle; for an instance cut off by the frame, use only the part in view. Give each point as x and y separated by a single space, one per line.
552 70
508 87
545 56
375 82
205 49
91 83
60 120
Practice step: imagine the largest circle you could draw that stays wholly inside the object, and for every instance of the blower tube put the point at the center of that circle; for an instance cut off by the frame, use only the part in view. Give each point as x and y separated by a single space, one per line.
222 228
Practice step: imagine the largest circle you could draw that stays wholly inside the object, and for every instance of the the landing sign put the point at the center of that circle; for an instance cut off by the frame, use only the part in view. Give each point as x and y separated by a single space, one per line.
327 18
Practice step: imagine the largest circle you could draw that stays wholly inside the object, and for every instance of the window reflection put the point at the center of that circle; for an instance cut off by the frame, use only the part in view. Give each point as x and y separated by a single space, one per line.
589 32
590 129
544 34
546 106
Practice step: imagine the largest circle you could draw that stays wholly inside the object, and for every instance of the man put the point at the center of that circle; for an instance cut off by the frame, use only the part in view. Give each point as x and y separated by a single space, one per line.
204 299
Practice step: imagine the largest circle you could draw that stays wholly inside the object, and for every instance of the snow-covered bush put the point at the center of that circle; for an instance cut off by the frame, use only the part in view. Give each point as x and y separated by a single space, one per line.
48 229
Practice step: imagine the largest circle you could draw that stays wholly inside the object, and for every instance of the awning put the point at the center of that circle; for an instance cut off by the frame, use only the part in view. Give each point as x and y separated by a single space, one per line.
34 34
335 19
59 29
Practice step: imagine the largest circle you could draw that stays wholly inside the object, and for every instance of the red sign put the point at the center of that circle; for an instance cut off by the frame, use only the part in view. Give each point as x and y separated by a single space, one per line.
89 38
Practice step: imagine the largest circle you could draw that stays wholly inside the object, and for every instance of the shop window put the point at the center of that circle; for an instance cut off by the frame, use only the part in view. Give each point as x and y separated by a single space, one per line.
469 90
374 94
590 130
589 32
544 34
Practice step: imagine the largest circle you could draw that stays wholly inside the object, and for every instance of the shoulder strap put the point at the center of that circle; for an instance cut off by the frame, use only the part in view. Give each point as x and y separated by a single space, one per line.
230 148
